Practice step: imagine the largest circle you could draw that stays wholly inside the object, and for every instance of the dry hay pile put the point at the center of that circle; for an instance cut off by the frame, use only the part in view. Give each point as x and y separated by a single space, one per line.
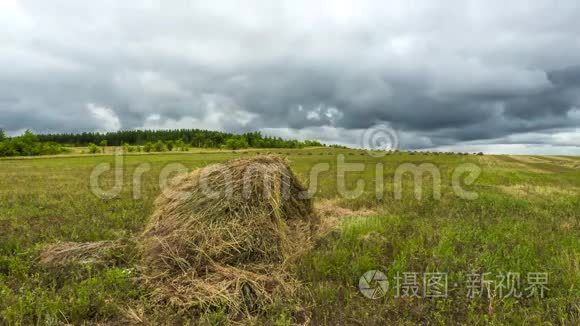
224 236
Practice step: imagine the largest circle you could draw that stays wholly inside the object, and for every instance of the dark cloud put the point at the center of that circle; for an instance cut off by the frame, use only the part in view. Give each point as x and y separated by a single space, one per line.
441 74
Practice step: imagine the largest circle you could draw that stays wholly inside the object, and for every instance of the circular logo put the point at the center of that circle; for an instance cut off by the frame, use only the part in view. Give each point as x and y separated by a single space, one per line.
380 139
373 284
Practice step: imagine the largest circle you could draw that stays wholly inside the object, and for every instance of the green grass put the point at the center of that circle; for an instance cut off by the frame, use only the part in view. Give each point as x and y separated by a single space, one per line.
526 219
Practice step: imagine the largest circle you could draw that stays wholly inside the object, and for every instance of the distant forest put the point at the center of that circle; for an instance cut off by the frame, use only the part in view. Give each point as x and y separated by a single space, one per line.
192 137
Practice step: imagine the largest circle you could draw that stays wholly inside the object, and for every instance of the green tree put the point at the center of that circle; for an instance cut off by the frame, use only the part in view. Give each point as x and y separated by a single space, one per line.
93 148
103 144
159 146
170 145
28 137
231 143
2 135
7 148
27 145
148 147
181 145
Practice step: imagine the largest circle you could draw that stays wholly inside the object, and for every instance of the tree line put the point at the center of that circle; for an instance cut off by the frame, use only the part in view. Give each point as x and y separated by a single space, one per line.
27 145
192 137
141 140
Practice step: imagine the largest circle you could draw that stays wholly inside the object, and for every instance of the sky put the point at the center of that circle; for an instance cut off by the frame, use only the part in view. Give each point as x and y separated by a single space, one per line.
491 76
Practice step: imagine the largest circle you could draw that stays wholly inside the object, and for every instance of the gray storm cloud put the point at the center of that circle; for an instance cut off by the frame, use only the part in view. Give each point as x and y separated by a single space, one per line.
459 73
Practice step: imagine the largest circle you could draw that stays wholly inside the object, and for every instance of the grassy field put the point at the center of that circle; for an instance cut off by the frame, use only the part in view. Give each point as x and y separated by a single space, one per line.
526 219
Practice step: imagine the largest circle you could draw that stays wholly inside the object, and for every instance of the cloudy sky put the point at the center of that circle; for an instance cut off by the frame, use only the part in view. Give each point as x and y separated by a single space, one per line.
498 76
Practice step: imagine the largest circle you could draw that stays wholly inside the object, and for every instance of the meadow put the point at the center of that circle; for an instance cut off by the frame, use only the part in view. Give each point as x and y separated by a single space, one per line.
524 221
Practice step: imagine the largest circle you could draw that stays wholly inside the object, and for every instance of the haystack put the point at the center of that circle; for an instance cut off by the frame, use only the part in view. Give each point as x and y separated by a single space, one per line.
224 235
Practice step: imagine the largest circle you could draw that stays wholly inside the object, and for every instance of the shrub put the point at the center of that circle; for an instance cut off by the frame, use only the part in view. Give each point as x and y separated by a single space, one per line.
93 148
148 147
170 145
180 145
103 144
6 149
236 143
51 148
159 146
28 145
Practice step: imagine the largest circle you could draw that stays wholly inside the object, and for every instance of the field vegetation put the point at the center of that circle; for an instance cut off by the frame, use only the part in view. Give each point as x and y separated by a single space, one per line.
524 220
